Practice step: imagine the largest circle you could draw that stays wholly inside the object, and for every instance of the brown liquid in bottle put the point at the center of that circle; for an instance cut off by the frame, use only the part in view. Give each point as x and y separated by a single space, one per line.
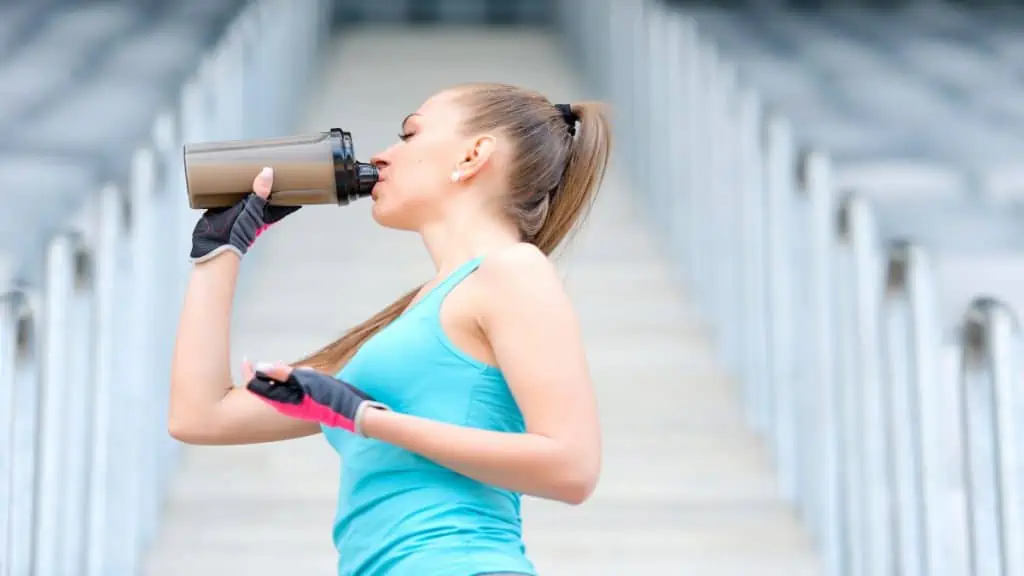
220 174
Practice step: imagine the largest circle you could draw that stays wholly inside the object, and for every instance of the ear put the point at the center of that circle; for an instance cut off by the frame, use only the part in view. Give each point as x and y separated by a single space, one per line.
478 153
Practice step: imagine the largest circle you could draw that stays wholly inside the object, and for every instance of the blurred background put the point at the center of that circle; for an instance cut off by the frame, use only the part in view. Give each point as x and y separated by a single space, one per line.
798 287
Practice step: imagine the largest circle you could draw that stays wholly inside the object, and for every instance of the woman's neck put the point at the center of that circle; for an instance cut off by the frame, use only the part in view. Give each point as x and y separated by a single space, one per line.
456 239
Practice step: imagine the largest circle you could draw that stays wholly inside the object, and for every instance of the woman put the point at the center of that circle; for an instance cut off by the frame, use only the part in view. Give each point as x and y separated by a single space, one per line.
463 394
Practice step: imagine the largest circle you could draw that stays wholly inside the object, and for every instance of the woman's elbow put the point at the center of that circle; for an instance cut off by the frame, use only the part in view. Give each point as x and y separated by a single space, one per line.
576 493
182 431
578 481
192 430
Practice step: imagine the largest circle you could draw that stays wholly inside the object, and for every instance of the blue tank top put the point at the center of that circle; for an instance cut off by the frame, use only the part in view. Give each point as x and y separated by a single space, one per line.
400 514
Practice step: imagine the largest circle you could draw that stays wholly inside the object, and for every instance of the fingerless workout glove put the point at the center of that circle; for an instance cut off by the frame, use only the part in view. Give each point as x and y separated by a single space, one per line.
234 228
310 395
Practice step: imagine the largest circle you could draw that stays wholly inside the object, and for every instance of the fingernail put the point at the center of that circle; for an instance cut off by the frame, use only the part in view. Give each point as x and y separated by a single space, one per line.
267 172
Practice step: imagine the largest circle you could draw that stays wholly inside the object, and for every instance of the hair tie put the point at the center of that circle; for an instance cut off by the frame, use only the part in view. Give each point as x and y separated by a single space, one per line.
569 116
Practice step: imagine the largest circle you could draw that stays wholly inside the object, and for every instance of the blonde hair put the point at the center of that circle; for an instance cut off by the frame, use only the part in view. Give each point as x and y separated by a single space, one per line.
553 180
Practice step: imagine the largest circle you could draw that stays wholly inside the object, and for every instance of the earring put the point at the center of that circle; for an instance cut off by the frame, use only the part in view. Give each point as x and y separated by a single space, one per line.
456 176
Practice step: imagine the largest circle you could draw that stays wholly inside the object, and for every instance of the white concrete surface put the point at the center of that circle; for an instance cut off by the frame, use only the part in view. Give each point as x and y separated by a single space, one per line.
686 488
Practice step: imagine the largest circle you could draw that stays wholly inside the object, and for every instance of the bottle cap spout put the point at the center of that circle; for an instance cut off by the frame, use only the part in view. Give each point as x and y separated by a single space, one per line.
353 180
367 175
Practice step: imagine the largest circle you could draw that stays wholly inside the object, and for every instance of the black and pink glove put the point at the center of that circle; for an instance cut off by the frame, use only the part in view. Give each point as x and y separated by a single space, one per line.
236 227
310 395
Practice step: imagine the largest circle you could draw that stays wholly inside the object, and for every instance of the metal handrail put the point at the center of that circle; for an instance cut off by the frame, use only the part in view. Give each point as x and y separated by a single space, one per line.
88 346
833 334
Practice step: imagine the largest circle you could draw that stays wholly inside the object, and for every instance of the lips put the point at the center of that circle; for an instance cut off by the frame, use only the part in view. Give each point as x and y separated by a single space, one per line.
380 180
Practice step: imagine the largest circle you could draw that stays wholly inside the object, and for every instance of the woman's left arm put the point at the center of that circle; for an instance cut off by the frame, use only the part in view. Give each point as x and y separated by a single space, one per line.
532 328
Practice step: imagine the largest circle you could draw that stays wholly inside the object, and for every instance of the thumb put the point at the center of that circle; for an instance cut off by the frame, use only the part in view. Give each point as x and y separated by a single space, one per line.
276 371
263 182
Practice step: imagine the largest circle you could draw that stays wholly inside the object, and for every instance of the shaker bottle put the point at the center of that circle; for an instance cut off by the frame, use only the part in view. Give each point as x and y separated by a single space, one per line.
317 168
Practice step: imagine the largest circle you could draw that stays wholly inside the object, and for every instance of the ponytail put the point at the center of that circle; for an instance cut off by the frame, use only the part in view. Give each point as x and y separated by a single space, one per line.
584 171
332 357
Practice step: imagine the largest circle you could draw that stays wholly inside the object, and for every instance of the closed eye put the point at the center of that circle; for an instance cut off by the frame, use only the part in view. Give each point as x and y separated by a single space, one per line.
403 136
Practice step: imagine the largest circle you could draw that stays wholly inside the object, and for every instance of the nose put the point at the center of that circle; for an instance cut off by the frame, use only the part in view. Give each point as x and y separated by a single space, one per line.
381 159
379 164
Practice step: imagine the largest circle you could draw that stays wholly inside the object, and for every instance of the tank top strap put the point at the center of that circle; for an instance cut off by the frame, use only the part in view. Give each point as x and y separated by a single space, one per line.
438 294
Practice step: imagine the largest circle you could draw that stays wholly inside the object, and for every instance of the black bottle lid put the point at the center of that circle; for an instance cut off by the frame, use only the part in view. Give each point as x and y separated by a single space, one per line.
352 180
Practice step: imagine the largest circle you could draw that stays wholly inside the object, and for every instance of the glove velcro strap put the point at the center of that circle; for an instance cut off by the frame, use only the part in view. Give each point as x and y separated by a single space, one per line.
214 253
361 411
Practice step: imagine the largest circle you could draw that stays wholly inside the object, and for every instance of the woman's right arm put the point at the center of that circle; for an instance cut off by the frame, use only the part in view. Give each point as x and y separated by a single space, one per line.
205 406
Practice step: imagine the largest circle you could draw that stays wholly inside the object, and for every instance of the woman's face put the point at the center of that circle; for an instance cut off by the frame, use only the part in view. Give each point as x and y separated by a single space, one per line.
415 172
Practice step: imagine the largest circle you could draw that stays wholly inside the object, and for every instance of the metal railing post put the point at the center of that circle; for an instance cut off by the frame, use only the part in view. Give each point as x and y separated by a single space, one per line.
64 391
702 185
17 389
993 431
173 244
8 358
105 550
679 112
21 310
914 392
858 297
80 399
149 378
656 79
723 293
753 269
779 162
819 405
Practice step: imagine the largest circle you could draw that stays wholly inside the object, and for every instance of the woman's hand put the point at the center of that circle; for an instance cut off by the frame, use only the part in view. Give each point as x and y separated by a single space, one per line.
306 394
236 227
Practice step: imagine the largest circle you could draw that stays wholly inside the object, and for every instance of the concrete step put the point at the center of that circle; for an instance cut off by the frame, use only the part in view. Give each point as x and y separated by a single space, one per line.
686 487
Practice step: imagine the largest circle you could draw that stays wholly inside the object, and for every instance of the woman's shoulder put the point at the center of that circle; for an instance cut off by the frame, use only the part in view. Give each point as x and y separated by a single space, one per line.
520 274
518 263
